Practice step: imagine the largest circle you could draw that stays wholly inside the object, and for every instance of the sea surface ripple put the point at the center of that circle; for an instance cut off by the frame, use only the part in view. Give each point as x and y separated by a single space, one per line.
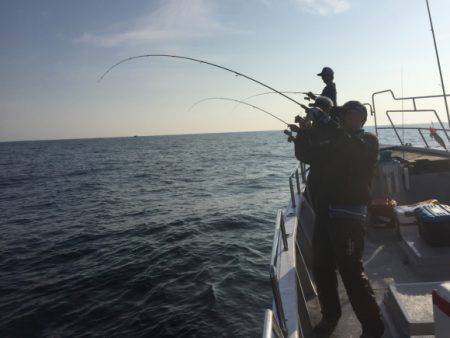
152 236
165 236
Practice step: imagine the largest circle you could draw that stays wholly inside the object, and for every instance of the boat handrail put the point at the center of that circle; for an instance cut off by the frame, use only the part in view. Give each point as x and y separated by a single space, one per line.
413 99
275 324
280 231
417 128
295 174
280 221
271 326
277 299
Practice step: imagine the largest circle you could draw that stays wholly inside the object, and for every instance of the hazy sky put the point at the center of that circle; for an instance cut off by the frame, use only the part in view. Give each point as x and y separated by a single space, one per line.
53 51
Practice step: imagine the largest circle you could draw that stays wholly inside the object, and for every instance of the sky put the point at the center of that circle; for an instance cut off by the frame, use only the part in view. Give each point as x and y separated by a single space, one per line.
52 53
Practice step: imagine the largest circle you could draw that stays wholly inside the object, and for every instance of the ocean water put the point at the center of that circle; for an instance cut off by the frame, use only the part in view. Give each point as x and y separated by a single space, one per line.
164 236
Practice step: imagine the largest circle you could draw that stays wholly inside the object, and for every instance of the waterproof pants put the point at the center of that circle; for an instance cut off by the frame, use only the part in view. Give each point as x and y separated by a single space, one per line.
339 243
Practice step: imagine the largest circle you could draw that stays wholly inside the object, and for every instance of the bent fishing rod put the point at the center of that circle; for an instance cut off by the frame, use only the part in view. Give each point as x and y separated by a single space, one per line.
202 62
241 102
268 93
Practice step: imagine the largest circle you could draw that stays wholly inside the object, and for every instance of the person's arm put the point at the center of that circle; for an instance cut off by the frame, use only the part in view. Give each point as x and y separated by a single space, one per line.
304 146
313 145
311 95
365 160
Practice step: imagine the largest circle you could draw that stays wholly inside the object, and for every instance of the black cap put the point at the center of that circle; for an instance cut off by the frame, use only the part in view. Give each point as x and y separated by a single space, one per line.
326 71
355 106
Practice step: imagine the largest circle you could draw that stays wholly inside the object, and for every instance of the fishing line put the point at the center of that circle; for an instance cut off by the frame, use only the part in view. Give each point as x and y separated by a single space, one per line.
267 93
199 61
238 101
249 97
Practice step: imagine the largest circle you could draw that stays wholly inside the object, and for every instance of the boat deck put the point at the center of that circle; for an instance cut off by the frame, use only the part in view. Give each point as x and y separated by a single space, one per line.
386 262
402 268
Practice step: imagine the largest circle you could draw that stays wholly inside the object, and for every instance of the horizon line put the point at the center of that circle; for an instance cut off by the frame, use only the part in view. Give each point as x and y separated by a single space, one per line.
156 135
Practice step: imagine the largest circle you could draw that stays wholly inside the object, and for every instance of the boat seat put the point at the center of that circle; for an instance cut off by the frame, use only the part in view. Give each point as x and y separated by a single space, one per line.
409 308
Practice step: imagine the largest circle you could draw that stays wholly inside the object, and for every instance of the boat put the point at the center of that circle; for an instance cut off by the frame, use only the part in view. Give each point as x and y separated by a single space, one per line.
405 271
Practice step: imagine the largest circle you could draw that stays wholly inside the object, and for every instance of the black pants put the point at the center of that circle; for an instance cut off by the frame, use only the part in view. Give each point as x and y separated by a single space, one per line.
339 243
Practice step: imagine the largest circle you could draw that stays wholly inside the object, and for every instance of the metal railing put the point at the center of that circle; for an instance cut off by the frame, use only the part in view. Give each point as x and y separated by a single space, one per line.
271 326
417 128
413 99
275 321
277 299
280 232
300 171
280 221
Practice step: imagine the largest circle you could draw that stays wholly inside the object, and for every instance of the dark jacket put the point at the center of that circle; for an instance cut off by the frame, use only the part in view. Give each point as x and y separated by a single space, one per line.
311 147
330 92
342 163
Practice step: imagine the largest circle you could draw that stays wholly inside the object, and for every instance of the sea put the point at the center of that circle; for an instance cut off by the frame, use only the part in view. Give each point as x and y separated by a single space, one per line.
162 236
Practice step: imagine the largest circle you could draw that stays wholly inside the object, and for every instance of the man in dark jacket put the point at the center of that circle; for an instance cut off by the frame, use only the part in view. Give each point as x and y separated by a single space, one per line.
318 116
327 75
345 159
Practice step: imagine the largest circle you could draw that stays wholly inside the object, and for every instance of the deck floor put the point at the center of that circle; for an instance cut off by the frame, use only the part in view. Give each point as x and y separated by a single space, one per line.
386 262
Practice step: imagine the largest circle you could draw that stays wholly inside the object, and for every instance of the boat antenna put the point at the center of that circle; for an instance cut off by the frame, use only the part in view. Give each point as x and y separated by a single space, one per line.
403 112
241 102
199 61
439 63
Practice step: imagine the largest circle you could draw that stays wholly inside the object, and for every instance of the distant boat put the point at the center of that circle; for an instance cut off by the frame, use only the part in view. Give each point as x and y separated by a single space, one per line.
135 136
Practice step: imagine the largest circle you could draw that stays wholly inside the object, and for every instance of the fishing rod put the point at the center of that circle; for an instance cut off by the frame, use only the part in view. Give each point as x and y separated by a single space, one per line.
238 101
202 62
268 93
248 98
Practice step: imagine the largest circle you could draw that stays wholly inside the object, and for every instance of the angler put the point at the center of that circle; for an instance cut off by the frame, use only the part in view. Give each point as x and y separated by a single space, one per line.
343 161
327 75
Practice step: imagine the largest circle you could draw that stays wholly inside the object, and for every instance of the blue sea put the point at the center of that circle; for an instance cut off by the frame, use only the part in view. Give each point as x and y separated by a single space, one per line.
166 236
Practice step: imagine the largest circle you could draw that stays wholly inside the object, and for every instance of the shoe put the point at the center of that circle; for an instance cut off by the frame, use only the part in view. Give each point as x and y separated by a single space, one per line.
373 331
369 335
365 335
326 326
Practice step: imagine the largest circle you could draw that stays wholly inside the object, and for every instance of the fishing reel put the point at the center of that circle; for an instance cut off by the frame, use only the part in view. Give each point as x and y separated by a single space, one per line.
303 121
289 134
317 116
